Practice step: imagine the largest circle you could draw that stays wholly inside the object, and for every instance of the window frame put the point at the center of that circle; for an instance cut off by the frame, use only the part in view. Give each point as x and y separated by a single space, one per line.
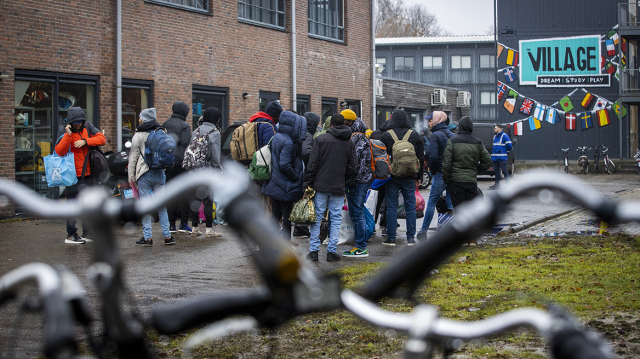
277 11
460 64
432 65
213 90
492 98
269 96
303 98
167 3
492 59
404 63
328 101
314 23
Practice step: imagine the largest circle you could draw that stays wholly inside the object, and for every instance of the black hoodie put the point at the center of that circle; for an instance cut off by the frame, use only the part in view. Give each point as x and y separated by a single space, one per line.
332 161
179 130
399 123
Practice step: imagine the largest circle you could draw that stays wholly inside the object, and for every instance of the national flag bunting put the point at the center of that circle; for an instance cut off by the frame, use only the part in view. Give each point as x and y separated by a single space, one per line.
611 48
585 120
509 104
603 117
624 45
534 124
613 36
527 104
538 114
603 61
570 121
509 75
513 94
552 116
500 48
512 58
518 128
600 104
586 101
610 67
623 59
501 89
566 104
619 109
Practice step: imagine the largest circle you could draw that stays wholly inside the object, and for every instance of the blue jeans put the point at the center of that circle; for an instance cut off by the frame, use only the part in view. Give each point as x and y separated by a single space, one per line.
334 203
407 186
149 181
437 187
355 199
500 166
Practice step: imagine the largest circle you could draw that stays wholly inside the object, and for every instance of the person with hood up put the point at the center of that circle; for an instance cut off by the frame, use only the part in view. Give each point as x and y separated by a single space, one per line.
331 164
359 183
147 179
400 125
285 185
312 120
76 139
439 137
267 122
178 128
210 120
325 127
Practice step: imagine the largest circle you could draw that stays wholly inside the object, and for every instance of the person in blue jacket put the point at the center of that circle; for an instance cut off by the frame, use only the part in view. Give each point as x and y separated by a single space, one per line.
287 175
501 146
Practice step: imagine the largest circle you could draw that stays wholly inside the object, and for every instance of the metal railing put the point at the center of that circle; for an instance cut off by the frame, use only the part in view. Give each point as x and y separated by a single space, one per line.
630 81
628 15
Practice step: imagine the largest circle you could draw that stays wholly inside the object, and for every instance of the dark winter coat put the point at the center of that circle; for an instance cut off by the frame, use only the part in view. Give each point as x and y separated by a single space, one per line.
377 134
178 128
363 154
439 137
266 127
332 161
399 123
465 156
312 125
285 184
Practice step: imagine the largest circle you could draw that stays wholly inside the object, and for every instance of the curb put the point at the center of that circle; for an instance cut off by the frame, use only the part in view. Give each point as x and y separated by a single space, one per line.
511 230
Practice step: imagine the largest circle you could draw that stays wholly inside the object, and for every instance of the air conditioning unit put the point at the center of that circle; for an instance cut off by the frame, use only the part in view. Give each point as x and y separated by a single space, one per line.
439 97
464 99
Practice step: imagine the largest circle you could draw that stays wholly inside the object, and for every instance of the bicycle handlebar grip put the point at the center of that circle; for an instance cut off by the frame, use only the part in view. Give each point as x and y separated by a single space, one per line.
574 344
59 333
180 317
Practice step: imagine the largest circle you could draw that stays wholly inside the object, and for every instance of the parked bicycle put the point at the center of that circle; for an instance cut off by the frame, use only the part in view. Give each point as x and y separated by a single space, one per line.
609 166
596 159
566 160
583 160
637 157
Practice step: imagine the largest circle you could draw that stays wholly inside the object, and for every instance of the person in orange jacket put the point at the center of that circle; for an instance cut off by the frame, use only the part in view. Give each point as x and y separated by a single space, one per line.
76 139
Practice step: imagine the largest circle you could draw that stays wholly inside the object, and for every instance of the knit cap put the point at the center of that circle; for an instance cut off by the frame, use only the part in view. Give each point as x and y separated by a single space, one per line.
349 115
273 109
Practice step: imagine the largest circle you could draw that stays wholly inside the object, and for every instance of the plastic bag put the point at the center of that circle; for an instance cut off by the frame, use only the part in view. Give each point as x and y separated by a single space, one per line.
60 171
371 201
304 211
444 219
419 201
347 230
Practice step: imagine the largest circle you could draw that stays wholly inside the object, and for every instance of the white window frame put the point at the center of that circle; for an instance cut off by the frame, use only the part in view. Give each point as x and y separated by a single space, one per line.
458 62
488 97
404 63
432 60
491 59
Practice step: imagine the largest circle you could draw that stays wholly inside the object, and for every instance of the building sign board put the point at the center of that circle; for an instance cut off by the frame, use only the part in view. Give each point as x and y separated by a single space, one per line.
562 62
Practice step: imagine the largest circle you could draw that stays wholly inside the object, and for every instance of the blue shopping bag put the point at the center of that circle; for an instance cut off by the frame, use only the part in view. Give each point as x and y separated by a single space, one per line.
60 171
444 219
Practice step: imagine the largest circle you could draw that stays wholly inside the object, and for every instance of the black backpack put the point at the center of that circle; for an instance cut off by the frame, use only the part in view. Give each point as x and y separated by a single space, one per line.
96 159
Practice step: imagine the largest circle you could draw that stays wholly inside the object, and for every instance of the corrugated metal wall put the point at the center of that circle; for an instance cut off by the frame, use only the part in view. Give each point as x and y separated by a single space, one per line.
548 19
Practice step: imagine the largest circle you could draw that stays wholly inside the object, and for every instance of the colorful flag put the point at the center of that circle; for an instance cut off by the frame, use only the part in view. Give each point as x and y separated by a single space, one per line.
613 35
603 117
585 120
624 45
509 104
510 57
500 48
603 61
600 104
619 109
570 121
586 101
623 59
610 67
611 48
501 89
515 60
538 114
527 104
513 94
509 74
566 104
518 128
552 116
534 124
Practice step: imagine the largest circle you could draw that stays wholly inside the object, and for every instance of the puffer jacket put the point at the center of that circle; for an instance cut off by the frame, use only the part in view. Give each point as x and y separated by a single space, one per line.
465 156
66 144
312 125
332 161
501 145
439 137
285 184
178 128
399 123
214 143
363 174
266 127
136 154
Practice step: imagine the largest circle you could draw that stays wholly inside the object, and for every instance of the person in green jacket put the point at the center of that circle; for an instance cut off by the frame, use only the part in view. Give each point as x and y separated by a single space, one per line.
327 125
464 157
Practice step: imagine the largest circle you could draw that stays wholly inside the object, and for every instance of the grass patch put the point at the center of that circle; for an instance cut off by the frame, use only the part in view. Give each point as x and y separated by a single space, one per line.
596 278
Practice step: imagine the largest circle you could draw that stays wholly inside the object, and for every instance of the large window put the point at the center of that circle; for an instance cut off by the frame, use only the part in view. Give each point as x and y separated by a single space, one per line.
487 61
268 12
487 98
329 107
266 97
431 62
355 106
204 97
136 96
403 63
200 5
326 19
302 104
460 62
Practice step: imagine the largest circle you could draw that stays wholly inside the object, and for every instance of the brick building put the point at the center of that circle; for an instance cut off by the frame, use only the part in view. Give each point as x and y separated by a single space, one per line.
232 54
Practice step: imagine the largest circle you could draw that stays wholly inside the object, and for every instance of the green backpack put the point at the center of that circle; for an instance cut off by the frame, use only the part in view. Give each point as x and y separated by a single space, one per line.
404 162
260 167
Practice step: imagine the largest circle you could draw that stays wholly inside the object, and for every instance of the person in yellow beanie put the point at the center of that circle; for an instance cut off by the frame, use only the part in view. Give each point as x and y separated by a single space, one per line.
349 117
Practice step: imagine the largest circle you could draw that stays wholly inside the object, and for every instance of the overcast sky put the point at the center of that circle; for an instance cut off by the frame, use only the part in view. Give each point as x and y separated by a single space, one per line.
460 17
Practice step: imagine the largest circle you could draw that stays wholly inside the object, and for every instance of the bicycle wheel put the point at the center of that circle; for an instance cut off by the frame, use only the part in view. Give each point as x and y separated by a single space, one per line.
585 166
566 169
611 168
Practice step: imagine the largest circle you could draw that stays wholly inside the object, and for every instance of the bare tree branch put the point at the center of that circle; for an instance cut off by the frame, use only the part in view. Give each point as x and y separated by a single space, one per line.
393 19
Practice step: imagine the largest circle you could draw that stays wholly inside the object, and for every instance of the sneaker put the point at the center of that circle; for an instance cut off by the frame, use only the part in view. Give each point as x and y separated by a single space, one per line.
332 257
169 241
411 242
172 228
87 237
384 231
388 242
356 253
211 233
473 242
312 256
422 236
144 242
195 232
495 186
74 239
184 228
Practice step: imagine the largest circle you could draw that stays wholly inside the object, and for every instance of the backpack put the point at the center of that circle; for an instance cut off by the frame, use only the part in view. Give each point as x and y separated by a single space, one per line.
260 167
95 158
379 160
244 141
197 153
405 162
159 149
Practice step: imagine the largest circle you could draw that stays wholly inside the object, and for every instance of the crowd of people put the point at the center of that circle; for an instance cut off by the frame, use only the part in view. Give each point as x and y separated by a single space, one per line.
335 161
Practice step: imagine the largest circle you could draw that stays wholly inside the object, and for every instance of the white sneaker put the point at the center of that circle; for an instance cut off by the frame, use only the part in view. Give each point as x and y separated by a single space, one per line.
212 233
195 232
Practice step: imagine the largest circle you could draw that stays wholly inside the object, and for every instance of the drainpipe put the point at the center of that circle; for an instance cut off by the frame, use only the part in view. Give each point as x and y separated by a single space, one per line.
119 76
374 119
293 56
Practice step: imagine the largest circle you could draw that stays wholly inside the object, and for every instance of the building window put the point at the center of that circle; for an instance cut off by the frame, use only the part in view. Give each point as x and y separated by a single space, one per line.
302 104
431 62
355 106
199 5
329 107
487 98
267 97
326 19
487 61
403 63
203 97
136 96
460 62
269 12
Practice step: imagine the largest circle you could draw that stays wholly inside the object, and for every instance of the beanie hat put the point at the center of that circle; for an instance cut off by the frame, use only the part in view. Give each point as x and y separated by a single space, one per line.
211 115
349 115
76 114
148 115
273 109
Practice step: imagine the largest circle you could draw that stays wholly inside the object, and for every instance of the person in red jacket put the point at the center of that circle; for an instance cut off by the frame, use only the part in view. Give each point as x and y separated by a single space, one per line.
77 140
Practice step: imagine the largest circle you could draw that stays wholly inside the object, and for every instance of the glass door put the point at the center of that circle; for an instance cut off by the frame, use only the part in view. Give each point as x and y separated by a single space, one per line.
204 97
